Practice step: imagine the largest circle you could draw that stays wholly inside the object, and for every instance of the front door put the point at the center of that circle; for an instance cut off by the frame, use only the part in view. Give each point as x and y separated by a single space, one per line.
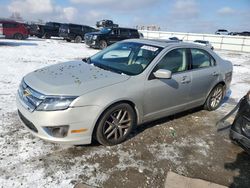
167 96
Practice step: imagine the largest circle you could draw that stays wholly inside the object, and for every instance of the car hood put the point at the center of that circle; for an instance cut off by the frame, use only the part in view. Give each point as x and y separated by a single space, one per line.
73 78
95 33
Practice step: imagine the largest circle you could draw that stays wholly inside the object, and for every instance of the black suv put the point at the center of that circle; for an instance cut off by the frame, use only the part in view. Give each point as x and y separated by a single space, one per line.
74 32
50 29
107 36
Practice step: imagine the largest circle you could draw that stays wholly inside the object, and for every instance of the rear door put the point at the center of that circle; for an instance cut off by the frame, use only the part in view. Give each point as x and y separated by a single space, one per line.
1 29
113 35
124 34
167 96
205 74
9 29
134 34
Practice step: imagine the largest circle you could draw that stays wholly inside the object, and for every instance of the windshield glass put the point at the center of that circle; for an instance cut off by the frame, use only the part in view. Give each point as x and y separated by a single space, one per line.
126 57
105 30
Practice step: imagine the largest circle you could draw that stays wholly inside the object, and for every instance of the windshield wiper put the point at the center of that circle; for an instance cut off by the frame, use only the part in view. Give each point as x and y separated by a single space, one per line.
87 60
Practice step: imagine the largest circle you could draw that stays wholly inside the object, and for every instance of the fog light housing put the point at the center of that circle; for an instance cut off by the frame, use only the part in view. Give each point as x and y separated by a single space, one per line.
57 131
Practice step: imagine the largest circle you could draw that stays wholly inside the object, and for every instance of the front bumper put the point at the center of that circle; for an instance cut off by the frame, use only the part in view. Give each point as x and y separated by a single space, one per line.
76 118
242 140
91 43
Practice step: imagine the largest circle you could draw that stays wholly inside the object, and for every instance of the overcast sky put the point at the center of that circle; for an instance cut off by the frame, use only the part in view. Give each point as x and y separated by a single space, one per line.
171 15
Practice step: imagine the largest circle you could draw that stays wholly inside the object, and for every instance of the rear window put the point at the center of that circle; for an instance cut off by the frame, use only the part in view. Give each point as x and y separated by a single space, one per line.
222 30
201 59
134 32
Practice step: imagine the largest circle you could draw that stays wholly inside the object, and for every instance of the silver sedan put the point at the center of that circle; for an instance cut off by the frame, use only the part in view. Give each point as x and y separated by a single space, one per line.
131 82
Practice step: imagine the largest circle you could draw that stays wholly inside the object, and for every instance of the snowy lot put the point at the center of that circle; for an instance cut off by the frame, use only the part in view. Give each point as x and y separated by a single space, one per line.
186 143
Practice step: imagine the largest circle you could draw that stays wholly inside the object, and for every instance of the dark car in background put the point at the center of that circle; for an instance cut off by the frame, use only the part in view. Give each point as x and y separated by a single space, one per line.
106 23
14 30
108 36
50 29
244 33
222 32
75 32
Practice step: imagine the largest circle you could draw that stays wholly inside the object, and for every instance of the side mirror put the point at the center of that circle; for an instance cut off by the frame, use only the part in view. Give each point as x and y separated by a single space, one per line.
162 73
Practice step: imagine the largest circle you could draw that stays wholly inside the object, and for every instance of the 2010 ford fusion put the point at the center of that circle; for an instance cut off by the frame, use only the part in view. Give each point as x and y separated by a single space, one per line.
131 82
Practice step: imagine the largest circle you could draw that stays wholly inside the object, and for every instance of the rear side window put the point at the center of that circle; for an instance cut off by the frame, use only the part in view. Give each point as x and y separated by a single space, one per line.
174 61
201 59
124 32
89 29
134 32
78 27
10 25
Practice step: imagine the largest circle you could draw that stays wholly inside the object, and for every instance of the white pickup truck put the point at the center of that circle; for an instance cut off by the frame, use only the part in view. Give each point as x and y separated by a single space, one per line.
1 31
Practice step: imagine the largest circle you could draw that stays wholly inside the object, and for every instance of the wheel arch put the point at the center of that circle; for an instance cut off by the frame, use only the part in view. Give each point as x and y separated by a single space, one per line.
222 83
129 102
219 83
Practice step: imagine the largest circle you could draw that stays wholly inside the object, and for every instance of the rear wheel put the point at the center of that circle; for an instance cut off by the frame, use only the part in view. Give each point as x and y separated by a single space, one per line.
47 36
214 98
18 36
78 39
115 124
103 44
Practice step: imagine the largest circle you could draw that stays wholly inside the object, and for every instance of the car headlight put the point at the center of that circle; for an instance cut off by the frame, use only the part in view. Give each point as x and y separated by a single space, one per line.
94 37
52 104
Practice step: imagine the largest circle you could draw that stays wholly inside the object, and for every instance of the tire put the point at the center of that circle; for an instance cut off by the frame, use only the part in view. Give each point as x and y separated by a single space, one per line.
215 98
18 36
110 128
47 36
103 44
78 39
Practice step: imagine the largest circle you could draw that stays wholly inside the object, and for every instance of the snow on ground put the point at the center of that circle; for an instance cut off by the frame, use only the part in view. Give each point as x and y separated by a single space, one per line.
26 161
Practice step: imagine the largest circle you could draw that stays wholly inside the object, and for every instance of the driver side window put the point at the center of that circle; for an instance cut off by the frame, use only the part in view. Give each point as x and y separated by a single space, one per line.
174 61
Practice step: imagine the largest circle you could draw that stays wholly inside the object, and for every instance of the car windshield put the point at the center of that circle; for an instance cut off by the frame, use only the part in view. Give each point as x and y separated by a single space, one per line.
130 58
105 30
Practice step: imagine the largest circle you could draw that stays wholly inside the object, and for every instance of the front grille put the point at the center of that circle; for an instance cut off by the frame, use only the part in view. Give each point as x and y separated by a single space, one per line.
28 124
29 97
88 37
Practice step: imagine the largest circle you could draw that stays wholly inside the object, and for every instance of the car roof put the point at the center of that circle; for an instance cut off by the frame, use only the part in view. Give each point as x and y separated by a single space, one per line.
122 28
164 43
8 21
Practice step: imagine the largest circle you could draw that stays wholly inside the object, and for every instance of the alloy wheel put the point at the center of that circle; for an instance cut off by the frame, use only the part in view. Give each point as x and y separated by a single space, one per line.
117 124
216 97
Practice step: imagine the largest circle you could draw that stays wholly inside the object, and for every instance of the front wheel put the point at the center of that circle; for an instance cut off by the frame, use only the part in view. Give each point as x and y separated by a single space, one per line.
103 44
115 124
18 36
215 97
47 36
